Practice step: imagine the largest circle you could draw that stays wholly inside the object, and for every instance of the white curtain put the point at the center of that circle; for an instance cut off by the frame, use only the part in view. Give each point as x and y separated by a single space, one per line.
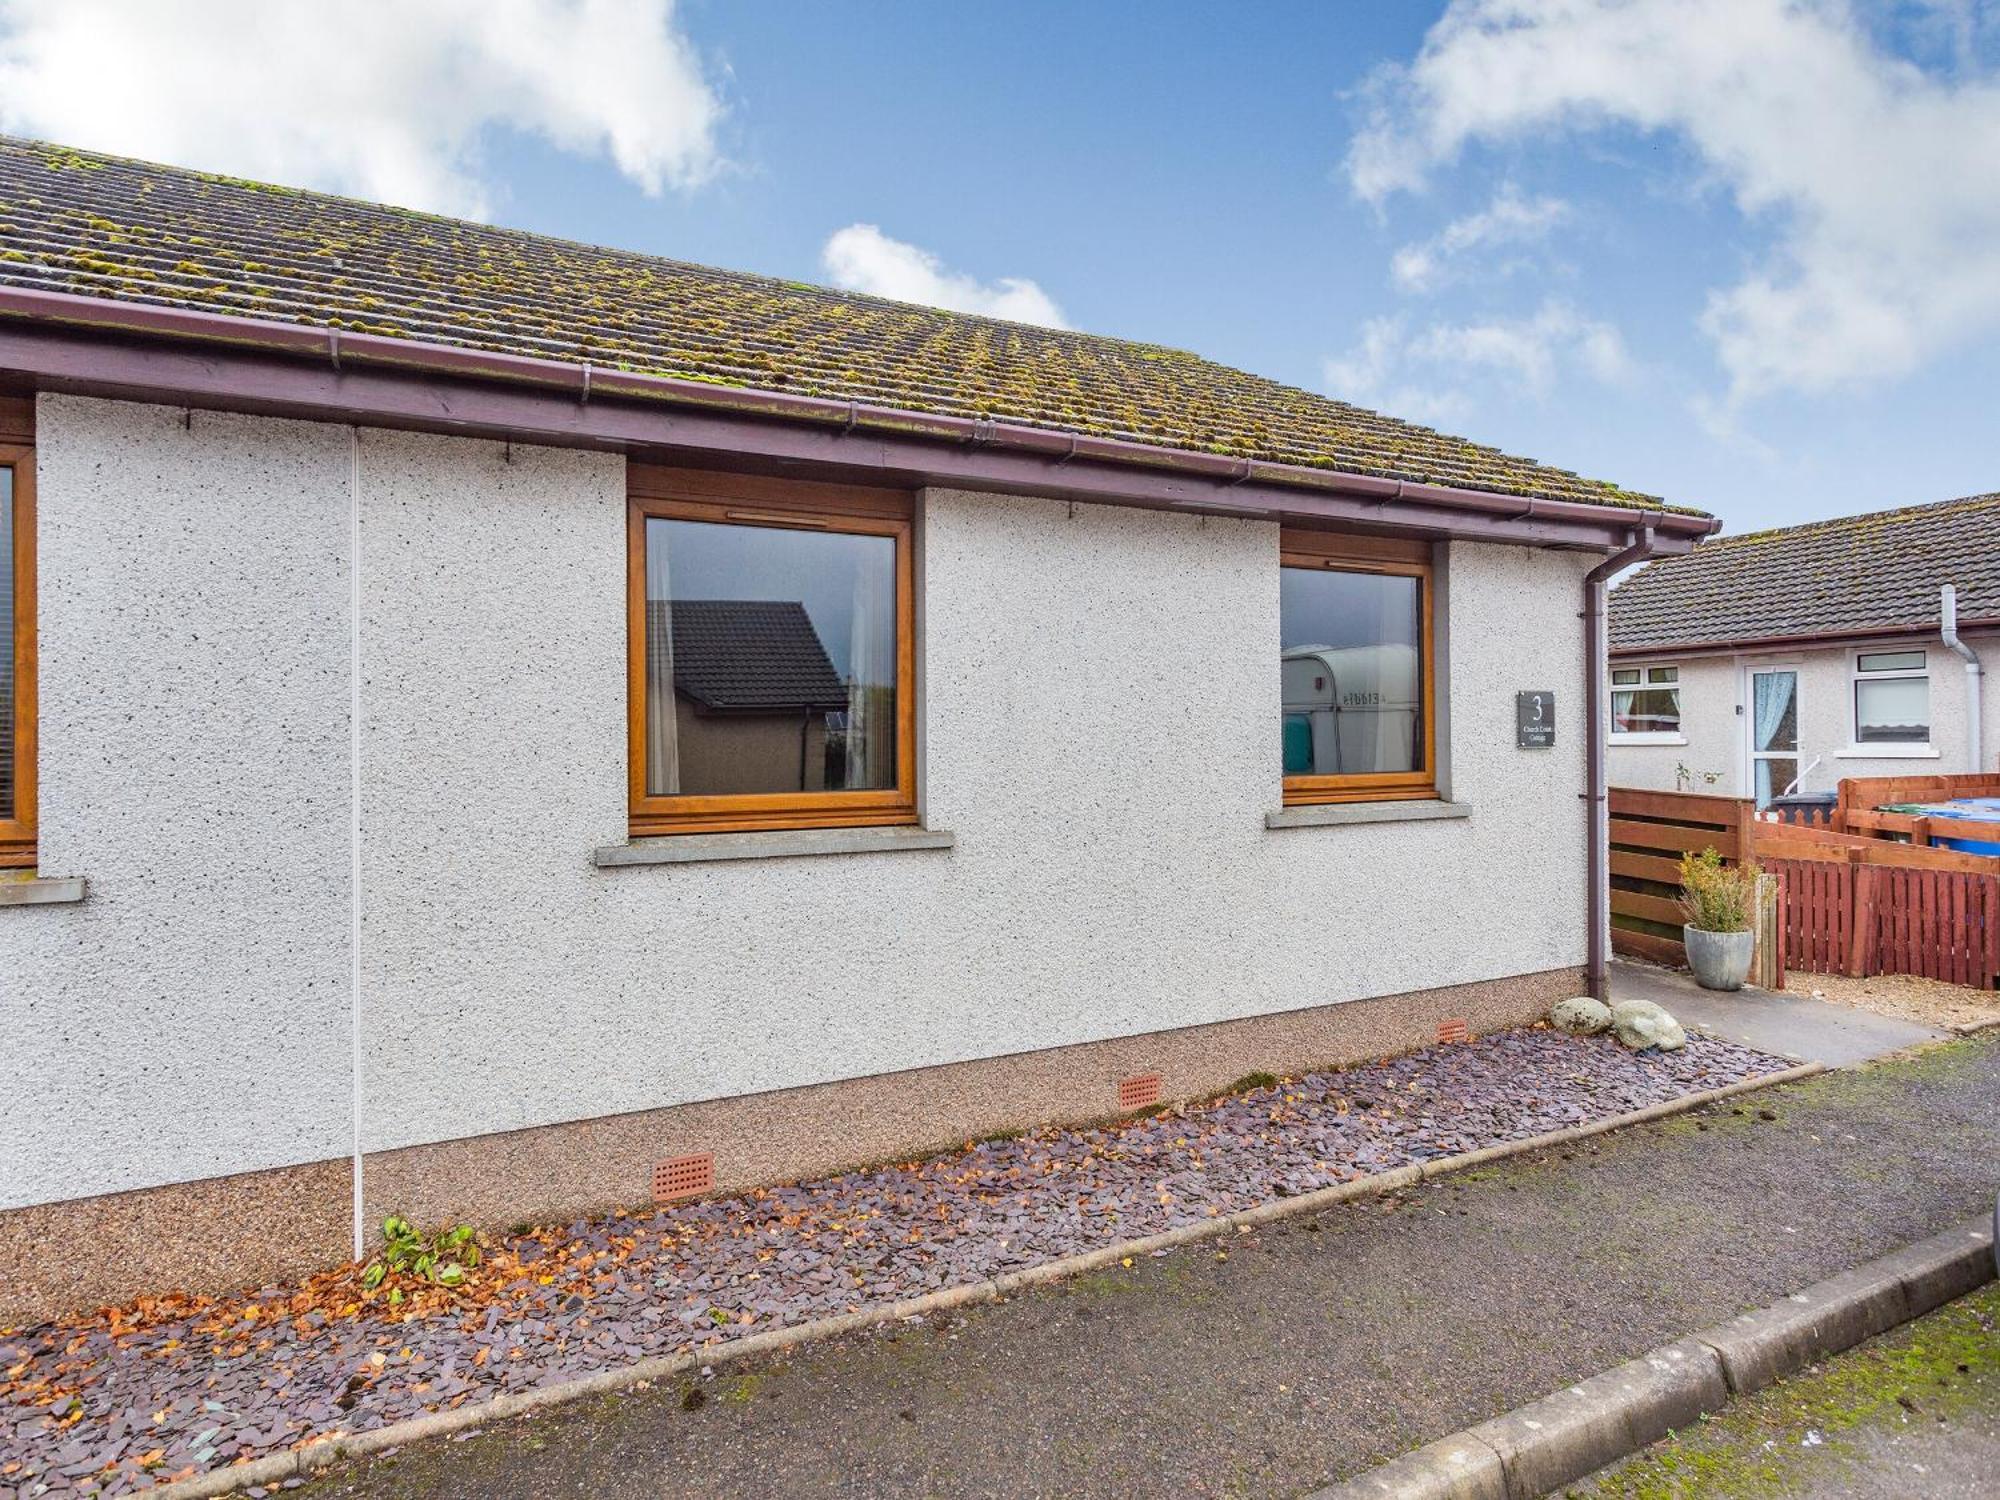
663 745
870 713
1774 696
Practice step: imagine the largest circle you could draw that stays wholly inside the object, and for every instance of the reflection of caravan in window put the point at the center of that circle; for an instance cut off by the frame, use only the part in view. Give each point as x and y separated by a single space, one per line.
1351 710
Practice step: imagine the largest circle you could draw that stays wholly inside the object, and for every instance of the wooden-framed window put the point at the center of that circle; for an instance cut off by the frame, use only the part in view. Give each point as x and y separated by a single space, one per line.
17 639
772 654
1356 649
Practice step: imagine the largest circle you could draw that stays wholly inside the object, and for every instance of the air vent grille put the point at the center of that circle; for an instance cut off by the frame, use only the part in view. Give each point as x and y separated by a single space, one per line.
1139 1092
684 1177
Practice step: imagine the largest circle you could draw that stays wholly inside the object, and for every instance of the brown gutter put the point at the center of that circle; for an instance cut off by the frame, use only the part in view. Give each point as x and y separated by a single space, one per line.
121 333
1857 634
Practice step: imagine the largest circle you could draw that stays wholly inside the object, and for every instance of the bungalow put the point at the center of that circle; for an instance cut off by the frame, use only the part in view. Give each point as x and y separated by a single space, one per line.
501 728
1797 657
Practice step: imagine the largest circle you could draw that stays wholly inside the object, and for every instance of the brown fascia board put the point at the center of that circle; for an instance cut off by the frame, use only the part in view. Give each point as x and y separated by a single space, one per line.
1801 642
98 346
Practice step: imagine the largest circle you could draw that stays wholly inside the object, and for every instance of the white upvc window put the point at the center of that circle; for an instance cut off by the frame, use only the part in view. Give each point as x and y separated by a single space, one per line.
1646 705
1892 698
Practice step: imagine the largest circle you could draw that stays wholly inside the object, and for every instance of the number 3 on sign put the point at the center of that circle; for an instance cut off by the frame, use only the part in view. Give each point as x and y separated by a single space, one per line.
1534 720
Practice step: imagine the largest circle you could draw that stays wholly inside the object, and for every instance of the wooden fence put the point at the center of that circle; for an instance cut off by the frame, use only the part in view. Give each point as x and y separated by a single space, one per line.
1861 798
1850 904
1649 833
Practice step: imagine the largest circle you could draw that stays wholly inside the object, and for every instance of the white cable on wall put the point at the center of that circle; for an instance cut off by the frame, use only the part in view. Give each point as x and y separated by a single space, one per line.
354 806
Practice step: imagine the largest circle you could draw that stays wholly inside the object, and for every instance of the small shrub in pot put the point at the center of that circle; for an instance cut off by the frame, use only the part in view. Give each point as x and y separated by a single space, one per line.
1720 903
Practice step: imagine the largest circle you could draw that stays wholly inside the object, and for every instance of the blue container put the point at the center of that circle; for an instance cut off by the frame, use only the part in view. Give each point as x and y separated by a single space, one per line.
1976 809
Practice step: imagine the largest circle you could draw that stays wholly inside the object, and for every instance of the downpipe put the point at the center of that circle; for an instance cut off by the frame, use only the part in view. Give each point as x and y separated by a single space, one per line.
1974 673
1596 681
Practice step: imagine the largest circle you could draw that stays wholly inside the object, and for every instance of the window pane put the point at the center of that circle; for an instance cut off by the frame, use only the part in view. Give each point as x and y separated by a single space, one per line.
1774 777
1646 711
6 643
1350 654
1663 674
1625 674
1891 661
1893 708
1775 703
770 660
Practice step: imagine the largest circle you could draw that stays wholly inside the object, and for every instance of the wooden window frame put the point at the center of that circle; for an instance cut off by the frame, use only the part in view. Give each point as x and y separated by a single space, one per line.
17 833
654 492
1325 551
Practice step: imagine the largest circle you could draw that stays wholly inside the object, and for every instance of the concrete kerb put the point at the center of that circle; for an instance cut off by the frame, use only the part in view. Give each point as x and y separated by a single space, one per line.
1572 1433
1576 1431
277 1467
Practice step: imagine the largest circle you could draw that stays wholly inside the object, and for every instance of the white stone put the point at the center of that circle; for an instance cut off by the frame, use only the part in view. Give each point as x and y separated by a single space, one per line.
1640 1024
1581 1016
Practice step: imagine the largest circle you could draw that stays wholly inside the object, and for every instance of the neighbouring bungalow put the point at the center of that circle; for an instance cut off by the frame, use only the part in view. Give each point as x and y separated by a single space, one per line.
1793 658
500 728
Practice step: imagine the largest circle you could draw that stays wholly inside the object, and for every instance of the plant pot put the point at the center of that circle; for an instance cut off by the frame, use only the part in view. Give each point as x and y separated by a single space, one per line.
1720 960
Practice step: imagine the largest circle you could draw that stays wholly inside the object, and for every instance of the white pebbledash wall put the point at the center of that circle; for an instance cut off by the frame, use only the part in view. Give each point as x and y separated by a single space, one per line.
1717 736
1099 729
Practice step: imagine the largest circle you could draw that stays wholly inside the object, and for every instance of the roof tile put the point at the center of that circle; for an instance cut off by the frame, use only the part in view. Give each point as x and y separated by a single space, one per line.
79 222
1854 575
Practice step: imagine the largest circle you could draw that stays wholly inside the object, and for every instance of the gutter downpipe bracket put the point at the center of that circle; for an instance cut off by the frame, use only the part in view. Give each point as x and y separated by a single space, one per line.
1597 671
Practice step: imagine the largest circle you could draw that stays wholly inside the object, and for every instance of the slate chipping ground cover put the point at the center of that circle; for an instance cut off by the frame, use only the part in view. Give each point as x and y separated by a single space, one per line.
124 1398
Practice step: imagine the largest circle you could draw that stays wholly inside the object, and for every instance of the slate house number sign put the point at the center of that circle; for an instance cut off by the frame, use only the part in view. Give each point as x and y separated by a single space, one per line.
1535 720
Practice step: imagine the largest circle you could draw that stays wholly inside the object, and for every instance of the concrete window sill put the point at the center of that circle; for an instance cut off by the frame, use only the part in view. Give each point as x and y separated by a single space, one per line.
1890 750
701 848
38 891
1343 814
1648 737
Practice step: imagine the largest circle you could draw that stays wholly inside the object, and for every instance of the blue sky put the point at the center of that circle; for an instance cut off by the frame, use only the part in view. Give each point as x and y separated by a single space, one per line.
1732 252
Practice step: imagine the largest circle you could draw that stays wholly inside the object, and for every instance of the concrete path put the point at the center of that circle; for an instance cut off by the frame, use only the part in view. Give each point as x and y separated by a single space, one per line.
1310 1350
1913 1413
1776 1021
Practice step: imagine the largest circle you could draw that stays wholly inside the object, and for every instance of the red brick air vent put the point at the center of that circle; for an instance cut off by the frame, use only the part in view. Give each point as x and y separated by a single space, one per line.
684 1177
1139 1092
1454 1030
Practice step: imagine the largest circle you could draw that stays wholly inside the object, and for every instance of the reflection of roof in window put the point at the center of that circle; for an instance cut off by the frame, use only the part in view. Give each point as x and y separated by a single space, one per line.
749 654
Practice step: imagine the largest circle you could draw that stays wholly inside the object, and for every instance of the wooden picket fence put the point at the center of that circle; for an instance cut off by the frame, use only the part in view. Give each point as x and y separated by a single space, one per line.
1849 904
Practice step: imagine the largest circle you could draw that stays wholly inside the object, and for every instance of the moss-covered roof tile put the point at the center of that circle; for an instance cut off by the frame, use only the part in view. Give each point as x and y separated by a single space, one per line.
103 226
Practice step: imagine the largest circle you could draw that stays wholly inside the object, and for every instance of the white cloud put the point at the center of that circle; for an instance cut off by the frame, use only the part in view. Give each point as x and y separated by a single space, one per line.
1877 178
1373 374
1426 374
864 259
1510 219
383 99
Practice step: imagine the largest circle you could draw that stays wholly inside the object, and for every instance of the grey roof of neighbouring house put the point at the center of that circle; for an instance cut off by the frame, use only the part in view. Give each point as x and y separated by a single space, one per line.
751 654
1852 576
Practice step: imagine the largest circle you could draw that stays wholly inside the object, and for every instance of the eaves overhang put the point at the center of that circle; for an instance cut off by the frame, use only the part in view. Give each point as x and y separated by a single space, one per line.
1846 636
60 341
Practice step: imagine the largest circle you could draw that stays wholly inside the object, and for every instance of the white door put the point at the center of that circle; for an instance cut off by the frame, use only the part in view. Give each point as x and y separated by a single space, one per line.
1774 732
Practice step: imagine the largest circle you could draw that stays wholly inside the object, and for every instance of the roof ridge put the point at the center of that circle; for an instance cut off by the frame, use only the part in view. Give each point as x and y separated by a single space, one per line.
1834 523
